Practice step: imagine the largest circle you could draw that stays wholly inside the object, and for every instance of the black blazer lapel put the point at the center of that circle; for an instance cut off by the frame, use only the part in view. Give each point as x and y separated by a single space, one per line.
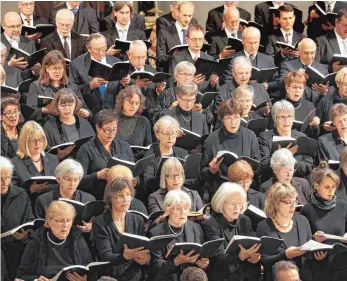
189 233
58 45
196 122
333 42
46 166
5 42
80 18
174 34
87 62
224 38
30 166
131 34
22 43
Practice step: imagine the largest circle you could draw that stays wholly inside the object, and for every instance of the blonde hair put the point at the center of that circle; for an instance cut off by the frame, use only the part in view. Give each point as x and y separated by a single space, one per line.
118 171
340 76
276 193
30 128
57 207
172 164
167 122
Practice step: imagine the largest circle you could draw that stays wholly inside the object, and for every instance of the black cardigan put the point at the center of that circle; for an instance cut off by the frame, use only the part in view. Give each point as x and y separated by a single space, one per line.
106 236
34 261
7 150
94 157
329 147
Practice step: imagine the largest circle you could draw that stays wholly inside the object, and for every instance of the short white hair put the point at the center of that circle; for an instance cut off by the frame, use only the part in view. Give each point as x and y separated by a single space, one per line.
184 66
6 163
225 191
279 106
65 12
166 122
137 44
282 158
243 90
69 165
249 30
241 61
174 197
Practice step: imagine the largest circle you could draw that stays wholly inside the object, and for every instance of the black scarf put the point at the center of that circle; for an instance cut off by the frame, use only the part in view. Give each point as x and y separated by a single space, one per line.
322 203
296 104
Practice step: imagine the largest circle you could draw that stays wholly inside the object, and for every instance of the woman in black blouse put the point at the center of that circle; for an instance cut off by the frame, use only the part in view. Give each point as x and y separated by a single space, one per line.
231 137
66 126
133 127
95 154
108 227
10 127
15 210
56 245
282 222
227 220
177 204
327 214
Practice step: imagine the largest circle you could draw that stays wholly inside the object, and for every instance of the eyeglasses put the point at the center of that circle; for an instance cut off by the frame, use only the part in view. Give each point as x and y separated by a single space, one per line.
99 50
232 118
284 118
288 203
285 172
296 88
244 182
9 113
174 134
171 177
187 75
32 141
18 26
232 22
242 74
188 100
197 39
26 5
63 221
5 179
139 58
183 209
110 131
56 69
71 181
120 197
234 204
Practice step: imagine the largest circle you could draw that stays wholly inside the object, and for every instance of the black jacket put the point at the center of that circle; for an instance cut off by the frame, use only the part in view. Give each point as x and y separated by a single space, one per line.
156 200
164 269
137 21
34 261
8 147
167 20
327 46
218 40
267 228
326 103
329 147
341 191
55 133
43 201
229 267
94 157
106 236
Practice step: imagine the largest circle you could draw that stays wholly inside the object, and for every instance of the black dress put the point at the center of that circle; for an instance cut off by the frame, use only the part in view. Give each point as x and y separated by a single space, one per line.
229 267
9 146
341 191
106 236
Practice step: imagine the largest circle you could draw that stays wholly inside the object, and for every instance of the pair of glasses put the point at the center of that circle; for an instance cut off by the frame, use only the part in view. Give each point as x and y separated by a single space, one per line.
171 177
284 118
40 140
288 203
18 26
188 100
110 131
72 181
234 204
8 113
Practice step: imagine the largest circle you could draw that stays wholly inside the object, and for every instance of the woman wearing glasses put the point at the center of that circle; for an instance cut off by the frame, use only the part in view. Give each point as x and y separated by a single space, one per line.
10 127
331 144
95 154
66 126
282 222
177 205
283 166
326 214
172 178
108 227
166 130
227 219
283 115
31 160
54 246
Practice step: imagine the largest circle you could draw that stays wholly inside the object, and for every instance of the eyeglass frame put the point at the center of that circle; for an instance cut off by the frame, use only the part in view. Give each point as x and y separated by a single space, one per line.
9 114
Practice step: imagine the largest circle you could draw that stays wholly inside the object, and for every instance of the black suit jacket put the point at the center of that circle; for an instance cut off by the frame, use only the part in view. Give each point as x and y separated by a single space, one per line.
218 41
53 42
37 20
137 21
215 18
78 76
329 147
273 50
86 21
327 46
13 76
166 21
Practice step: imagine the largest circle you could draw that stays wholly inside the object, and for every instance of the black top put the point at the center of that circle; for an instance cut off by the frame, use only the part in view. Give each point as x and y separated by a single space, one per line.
341 191
326 103
94 157
106 235
9 146
330 146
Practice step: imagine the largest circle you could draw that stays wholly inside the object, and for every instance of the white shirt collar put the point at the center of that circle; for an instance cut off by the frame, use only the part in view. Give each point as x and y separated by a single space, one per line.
276 5
24 19
247 54
11 41
179 27
70 8
62 37
229 32
103 60
193 55
120 28
332 5
339 38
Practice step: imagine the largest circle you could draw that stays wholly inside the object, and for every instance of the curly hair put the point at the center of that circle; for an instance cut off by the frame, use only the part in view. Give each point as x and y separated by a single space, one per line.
127 94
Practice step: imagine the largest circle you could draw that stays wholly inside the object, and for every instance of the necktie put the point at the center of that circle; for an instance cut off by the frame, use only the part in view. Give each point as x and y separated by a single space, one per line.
251 57
329 8
287 38
67 48
195 58
234 35
123 33
184 31
28 20
74 10
102 90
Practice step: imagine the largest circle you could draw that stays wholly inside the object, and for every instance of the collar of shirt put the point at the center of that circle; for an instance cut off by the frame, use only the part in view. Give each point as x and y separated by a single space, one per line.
62 37
247 54
339 38
332 5
285 32
193 55
126 28
24 19
103 60
12 41
70 8
229 32
304 64
276 5
179 27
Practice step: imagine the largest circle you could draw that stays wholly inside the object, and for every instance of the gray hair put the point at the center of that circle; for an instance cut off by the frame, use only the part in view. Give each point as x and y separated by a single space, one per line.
184 66
249 30
6 163
166 122
241 61
231 9
226 190
172 164
174 197
279 106
94 36
137 44
283 266
65 12
106 278
187 89
244 90
282 158
69 165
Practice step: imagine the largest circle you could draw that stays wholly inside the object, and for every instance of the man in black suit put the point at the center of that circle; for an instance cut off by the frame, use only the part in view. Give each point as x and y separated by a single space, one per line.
170 19
93 89
123 30
334 42
315 25
137 21
173 35
11 37
86 21
285 34
215 18
307 51
63 39
219 39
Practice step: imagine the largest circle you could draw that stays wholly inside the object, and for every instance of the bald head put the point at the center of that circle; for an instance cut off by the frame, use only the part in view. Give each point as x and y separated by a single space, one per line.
12 24
231 18
307 51
251 40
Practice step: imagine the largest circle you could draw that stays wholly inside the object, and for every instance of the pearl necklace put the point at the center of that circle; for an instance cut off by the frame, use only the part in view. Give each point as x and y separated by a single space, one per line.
55 243
175 232
283 226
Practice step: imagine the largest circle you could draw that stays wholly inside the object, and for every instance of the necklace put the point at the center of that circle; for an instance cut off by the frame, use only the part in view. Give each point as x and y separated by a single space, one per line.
36 161
283 226
175 232
55 243
186 119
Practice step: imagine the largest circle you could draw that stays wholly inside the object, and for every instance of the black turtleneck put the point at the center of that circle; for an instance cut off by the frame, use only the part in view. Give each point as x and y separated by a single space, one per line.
184 118
126 125
229 228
